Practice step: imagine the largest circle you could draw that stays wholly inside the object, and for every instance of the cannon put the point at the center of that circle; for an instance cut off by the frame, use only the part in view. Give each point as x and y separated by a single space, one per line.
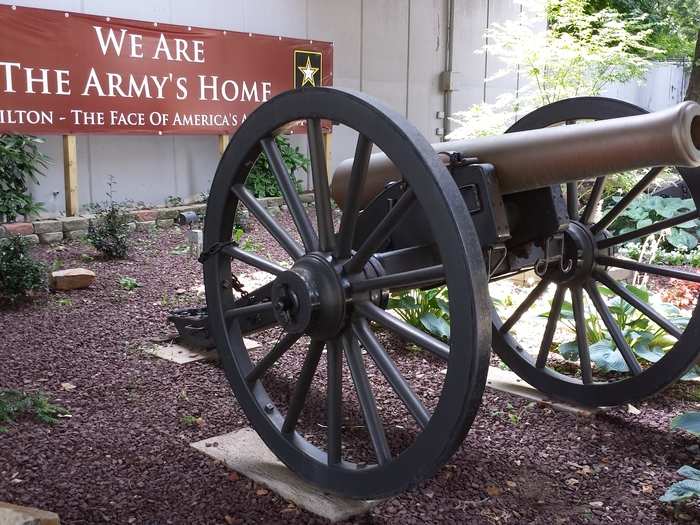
402 215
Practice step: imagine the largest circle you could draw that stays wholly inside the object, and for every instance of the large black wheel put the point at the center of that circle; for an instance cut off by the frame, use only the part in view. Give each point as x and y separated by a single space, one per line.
327 303
593 253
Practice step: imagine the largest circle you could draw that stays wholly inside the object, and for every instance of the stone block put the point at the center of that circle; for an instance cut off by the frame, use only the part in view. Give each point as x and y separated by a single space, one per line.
145 215
244 452
145 226
47 226
195 239
75 235
31 239
165 223
167 213
71 224
131 226
16 515
18 228
72 279
50 237
306 197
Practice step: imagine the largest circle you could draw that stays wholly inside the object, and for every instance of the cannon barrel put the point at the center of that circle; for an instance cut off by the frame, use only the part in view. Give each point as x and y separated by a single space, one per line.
533 159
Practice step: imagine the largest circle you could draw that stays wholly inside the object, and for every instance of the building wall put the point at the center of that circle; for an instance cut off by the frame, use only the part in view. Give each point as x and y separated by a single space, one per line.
391 49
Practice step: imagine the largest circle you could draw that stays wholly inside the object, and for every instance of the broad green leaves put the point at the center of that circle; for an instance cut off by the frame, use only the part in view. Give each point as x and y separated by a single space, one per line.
690 422
427 310
685 489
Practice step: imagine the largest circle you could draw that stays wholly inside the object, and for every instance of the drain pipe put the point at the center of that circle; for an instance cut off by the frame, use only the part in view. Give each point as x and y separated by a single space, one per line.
447 80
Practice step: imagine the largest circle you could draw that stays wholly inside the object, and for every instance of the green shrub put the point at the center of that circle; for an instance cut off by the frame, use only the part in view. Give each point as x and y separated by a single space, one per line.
109 232
14 403
20 162
427 310
19 272
262 182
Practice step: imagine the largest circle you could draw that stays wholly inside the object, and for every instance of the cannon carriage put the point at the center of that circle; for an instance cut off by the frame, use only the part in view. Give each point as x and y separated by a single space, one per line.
411 217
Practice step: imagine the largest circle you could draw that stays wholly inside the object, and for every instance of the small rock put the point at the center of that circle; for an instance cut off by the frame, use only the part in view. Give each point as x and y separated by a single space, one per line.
511 484
633 410
262 492
72 279
68 386
180 291
596 504
234 476
493 491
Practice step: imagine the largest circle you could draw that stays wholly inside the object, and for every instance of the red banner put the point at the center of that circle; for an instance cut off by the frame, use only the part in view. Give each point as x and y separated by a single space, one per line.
72 73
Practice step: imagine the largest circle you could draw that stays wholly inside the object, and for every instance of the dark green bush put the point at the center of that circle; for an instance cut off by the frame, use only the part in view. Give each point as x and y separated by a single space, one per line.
19 272
109 232
20 162
262 182
15 403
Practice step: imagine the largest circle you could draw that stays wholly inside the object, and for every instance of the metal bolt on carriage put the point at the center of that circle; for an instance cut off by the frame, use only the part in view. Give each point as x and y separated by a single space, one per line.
412 216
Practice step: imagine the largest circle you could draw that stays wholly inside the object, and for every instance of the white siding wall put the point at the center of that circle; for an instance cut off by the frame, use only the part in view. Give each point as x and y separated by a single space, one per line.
391 49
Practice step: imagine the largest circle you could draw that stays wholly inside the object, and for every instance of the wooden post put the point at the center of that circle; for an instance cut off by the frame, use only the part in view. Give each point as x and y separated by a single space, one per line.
70 174
223 142
328 145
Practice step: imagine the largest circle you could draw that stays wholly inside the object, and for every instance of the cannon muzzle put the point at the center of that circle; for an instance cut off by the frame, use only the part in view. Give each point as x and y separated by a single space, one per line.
533 159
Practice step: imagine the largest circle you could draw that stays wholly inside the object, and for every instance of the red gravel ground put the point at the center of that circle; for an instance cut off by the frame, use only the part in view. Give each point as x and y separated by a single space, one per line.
124 455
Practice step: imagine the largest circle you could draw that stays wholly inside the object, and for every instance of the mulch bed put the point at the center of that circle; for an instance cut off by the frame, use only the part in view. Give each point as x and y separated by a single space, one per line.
124 455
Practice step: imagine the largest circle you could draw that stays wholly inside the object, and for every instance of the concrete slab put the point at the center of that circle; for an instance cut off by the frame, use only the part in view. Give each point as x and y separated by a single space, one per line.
507 381
16 515
244 452
182 354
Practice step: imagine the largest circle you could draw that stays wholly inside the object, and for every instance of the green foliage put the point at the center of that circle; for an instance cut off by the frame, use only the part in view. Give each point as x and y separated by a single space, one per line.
649 209
647 340
109 231
262 182
15 403
579 53
172 201
21 162
192 421
19 272
128 283
681 257
427 310
673 23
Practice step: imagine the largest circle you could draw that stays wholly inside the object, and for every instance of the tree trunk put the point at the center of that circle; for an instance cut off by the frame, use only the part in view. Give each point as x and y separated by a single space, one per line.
693 92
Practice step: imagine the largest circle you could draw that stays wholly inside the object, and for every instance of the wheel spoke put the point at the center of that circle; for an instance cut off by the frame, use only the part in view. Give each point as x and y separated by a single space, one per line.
638 303
252 260
366 399
613 329
391 373
253 309
272 356
380 234
551 327
405 330
322 194
593 200
648 230
346 233
289 192
268 221
584 355
648 268
306 376
334 400
534 294
618 208
398 281
572 199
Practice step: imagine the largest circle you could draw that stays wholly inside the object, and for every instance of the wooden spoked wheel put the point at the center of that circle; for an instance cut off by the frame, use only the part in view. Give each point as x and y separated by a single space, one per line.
328 305
595 255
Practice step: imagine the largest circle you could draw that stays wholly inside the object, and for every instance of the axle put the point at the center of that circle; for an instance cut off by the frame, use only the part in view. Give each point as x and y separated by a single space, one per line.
533 159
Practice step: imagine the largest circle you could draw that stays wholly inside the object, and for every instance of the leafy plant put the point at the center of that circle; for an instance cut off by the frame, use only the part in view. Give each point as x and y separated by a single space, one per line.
172 201
14 403
19 272
578 54
263 183
427 310
647 340
192 421
650 209
689 487
128 283
109 232
21 162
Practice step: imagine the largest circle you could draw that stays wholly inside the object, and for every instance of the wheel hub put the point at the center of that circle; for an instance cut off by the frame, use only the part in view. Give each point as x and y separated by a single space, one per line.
310 298
577 257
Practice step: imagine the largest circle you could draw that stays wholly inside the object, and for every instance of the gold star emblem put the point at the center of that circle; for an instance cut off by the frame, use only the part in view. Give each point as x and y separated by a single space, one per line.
308 71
